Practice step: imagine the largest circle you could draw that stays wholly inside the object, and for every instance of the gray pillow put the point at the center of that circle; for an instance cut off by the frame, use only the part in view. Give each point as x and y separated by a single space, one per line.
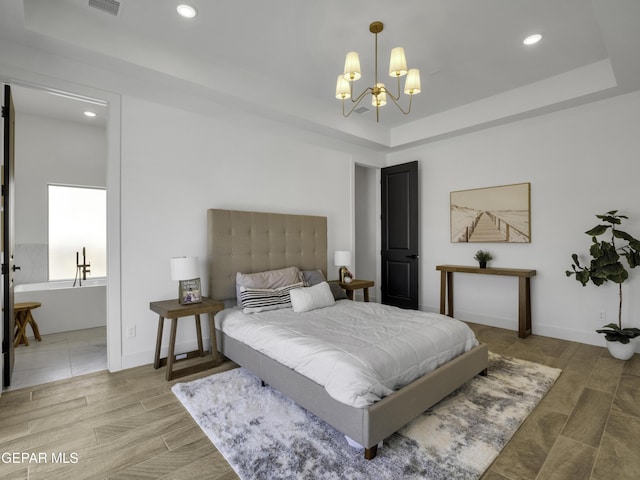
338 292
312 277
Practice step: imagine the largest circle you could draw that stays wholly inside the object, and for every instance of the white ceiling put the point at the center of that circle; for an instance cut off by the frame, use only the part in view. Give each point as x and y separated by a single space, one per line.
281 58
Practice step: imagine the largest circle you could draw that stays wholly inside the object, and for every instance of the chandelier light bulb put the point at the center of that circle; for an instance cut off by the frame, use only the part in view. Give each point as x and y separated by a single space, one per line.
397 63
380 99
412 85
343 89
352 66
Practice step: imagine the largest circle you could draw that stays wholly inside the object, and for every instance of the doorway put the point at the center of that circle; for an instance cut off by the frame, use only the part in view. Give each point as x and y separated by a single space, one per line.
367 227
56 143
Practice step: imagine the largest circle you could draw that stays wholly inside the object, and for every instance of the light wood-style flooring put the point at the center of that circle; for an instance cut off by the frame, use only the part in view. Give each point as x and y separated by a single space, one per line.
129 425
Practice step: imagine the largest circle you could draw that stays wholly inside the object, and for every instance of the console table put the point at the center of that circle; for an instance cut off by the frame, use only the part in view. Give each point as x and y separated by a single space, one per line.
524 290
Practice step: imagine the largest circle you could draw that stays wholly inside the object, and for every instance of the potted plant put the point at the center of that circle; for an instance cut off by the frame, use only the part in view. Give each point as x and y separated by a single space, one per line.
482 258
606 265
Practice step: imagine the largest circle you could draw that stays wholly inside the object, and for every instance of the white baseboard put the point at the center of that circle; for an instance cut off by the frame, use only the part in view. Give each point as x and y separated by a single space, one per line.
588 337
146 357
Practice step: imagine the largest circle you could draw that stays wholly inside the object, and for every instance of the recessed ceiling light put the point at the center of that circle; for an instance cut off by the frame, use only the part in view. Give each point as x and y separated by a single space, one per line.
89 113
186 11
532 39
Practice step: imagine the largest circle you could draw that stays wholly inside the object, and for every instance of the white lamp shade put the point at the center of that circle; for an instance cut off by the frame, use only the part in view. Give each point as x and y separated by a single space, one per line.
352 66
412 85
397 62
342 258
184 268
343 89
380 99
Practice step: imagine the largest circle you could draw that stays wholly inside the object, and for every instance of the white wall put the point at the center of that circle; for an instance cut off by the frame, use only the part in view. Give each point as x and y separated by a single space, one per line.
49 151
580 162
367 226
176 165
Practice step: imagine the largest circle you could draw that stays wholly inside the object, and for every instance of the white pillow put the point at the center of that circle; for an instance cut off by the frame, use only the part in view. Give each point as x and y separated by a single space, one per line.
311 298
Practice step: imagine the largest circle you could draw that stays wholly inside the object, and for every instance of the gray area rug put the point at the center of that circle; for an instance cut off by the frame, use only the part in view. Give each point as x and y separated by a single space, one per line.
264 435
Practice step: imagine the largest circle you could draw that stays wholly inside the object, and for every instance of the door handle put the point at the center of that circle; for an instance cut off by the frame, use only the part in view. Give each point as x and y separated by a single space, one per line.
14 268
414 256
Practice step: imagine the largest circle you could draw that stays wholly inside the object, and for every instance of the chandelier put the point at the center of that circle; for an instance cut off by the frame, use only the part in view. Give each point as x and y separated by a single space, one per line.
379 92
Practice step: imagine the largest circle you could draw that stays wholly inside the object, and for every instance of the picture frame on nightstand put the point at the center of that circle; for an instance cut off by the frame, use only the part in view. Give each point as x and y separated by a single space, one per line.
190 291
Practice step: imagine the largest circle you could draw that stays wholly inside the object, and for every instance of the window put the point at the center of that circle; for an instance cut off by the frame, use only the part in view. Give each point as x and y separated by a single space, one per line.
77 221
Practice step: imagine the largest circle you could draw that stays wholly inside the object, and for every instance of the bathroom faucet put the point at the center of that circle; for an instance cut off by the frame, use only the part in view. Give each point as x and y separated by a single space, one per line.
82 268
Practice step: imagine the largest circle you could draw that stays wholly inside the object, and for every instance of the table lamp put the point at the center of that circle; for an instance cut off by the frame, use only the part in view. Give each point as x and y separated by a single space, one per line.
185 271
342 259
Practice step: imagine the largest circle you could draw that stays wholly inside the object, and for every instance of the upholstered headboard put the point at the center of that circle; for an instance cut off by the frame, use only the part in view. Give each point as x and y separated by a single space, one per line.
250 242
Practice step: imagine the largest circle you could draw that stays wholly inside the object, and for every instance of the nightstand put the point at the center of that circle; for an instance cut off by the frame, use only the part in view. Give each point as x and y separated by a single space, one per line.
174 310
357 285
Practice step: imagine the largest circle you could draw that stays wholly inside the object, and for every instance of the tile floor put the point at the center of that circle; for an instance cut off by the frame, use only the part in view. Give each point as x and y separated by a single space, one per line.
58 356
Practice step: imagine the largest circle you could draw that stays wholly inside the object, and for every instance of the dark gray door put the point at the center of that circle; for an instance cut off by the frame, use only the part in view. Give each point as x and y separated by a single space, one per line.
400 235
8 322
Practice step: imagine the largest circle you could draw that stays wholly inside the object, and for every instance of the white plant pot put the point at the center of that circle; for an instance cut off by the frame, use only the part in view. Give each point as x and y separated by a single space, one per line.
622 351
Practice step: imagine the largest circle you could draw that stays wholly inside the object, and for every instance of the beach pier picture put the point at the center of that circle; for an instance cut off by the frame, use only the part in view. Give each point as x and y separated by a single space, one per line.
492 214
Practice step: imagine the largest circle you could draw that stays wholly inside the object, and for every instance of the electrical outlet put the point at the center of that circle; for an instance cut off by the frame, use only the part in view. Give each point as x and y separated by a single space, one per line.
131 332
603 316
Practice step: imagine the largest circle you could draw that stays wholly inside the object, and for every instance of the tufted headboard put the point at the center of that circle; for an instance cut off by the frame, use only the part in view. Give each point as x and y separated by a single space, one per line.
250 242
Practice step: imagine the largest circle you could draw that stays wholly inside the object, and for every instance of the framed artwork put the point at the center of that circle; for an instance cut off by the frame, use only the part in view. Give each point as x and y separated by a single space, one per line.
190 291
492 214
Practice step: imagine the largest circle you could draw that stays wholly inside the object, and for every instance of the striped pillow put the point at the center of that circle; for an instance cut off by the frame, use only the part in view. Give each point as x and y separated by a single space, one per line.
256 300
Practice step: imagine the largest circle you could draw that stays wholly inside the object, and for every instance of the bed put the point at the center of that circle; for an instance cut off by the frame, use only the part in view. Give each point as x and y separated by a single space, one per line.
248 242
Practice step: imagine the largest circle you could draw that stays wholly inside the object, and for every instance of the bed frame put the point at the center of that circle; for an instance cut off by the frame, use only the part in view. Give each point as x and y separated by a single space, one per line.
253 242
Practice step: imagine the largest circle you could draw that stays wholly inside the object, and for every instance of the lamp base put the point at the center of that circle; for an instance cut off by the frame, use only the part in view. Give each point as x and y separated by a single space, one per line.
342 273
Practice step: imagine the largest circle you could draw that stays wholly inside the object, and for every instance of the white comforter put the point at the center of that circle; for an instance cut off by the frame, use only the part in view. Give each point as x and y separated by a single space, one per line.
360 352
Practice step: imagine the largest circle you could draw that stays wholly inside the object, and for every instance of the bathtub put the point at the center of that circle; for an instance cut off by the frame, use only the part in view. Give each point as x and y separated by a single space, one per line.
64 307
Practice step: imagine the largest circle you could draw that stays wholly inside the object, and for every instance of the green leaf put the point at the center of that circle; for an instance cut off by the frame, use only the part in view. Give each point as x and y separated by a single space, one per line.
611 212
613 333
623 235
576 261
632 332
583 277
598 230
633 259
613 326
617 338
613 219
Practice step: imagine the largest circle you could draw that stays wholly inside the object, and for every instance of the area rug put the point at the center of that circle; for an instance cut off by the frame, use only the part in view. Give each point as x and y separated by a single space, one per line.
264 435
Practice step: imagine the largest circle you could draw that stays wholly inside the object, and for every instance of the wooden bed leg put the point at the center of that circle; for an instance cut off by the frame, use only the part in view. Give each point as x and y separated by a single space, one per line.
370 453
484 372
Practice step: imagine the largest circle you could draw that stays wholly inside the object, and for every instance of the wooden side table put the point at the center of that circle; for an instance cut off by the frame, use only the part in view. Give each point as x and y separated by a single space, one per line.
22 315
357 285
174 310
